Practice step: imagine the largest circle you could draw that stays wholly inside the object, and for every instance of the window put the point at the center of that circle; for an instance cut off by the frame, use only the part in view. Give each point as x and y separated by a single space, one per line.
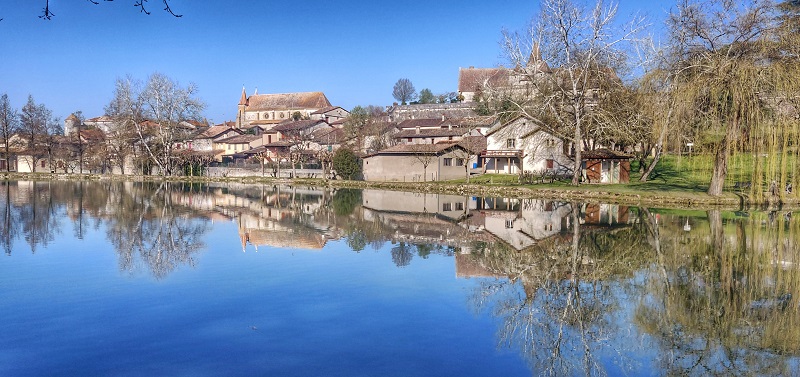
511 143
509 224
409 140
550 143
459 206
447 206
550 163
459 161
448 162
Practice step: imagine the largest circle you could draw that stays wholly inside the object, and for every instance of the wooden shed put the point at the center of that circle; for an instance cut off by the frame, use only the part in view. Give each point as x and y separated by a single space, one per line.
605 166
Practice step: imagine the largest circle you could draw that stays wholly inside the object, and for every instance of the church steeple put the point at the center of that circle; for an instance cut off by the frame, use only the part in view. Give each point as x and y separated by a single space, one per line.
536 54
243 99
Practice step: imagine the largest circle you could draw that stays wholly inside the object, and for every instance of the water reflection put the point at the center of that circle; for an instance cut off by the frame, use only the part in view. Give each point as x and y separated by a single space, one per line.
574 288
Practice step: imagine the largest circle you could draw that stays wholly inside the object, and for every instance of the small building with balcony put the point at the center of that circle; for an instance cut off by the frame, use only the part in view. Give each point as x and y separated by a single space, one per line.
519 145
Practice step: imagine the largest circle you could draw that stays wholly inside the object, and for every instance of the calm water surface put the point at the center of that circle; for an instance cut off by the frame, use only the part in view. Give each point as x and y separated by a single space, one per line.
137 279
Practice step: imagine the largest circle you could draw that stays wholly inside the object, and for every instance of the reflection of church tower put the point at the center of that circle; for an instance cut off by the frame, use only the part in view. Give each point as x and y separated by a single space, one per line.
240 112
71 124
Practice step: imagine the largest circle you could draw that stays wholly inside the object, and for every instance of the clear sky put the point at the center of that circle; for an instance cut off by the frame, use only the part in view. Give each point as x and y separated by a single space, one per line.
353 51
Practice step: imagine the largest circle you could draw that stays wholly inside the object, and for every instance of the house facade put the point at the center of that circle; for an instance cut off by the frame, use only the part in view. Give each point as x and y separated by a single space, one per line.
416 163
516 146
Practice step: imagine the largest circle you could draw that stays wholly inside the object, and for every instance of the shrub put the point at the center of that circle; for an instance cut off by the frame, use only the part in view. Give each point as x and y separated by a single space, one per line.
346 164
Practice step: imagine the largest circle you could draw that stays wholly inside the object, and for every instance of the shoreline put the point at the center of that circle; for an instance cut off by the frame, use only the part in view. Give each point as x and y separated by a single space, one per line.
586 193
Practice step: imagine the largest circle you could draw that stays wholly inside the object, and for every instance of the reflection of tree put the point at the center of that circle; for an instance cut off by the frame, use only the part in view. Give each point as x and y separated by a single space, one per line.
402 253
345 201
38 218
562 318
720 297
9 219
153 231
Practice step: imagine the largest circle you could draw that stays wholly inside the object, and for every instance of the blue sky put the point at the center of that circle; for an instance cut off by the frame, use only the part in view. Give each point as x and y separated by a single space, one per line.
353 51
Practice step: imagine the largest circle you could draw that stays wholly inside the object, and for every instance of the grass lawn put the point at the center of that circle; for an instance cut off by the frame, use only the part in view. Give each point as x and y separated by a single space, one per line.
680 177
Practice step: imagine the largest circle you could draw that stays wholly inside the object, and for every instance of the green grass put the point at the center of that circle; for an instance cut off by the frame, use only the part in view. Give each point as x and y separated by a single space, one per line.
674 176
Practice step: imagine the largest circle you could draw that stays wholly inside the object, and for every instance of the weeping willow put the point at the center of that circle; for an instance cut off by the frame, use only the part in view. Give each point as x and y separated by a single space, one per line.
736 79
742 110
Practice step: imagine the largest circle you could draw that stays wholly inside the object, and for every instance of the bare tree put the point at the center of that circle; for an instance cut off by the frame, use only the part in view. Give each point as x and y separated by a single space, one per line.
38 128
155 111
586 48
9 124
424 155
404 91
47 14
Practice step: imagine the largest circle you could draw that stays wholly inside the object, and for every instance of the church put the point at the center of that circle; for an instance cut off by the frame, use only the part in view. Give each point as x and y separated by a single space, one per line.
267 110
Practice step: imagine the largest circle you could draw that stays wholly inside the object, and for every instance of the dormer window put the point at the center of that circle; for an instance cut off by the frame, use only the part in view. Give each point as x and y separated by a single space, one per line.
511 143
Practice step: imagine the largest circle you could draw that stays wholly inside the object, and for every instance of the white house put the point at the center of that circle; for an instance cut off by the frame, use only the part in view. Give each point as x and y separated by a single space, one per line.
518 145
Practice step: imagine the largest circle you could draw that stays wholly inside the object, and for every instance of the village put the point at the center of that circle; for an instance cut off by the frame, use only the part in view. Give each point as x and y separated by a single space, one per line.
290 135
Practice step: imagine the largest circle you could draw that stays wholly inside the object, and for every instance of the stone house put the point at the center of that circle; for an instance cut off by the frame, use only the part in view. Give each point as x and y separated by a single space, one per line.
330 114
416 162
234 145
203 141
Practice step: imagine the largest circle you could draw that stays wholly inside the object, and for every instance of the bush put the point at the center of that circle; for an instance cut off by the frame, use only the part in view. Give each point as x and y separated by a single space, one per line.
346 164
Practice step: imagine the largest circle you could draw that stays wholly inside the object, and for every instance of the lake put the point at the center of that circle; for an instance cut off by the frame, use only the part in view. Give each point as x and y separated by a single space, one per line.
129 279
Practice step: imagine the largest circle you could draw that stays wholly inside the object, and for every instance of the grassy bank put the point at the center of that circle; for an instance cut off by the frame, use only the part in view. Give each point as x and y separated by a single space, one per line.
677 183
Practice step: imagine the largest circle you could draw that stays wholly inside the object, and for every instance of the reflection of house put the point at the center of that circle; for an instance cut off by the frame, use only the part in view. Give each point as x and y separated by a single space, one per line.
605 166
511 151
421 218
605 214
453 207
416 162
469 267
520 223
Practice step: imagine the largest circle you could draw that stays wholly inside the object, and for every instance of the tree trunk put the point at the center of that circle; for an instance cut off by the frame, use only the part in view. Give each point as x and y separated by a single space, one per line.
659 148
646 175
576 174
720 170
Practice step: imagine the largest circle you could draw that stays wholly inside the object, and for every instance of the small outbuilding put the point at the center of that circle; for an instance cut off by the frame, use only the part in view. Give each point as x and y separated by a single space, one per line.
605 166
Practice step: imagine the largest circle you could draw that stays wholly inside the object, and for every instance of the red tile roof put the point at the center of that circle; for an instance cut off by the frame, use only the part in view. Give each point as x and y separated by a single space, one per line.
417 148
239 139
215 131
431 132
327 109
307 100
471 79
297 125
604 154
423 122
